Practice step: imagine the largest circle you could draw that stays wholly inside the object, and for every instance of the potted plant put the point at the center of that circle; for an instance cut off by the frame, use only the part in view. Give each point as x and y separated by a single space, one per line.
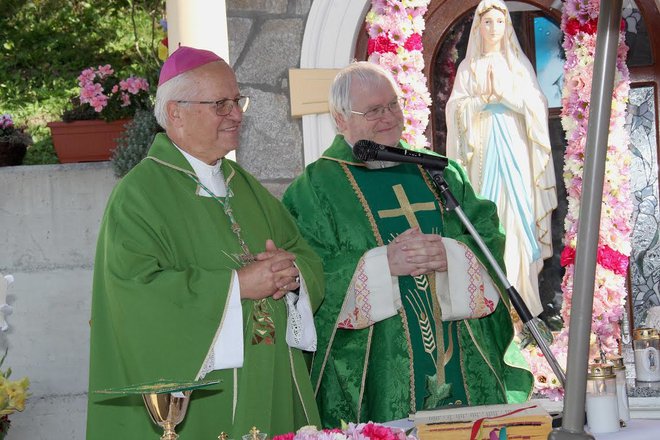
89 131
12 397
13 142
134 142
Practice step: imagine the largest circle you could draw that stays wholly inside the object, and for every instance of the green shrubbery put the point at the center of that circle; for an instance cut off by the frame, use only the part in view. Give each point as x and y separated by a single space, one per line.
45 44
134 144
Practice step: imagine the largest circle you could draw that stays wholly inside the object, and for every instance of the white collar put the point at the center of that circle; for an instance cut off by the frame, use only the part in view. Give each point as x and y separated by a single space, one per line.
209 175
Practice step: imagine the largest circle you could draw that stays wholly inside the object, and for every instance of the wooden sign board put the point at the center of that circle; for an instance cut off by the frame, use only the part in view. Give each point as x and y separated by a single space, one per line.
308 90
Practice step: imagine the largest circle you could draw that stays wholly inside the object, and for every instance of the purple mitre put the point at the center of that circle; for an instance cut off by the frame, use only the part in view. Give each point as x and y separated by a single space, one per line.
183 59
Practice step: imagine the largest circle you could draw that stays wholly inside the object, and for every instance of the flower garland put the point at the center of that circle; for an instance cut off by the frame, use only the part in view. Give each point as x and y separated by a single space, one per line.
579 23
395 42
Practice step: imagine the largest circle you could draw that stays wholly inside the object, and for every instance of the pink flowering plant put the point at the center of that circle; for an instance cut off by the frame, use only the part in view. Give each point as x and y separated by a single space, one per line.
103 95
579 24
351 431
12 134
395 30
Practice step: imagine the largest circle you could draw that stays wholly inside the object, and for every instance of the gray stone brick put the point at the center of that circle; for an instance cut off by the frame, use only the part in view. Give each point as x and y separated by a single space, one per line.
268 6
238 29
271 141
275 49
301 6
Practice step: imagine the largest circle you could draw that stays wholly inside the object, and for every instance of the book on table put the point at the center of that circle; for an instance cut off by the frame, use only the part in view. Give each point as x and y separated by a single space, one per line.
525 420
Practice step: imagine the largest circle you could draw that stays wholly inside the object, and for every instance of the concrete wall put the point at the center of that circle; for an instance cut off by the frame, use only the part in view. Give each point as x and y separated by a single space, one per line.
49 218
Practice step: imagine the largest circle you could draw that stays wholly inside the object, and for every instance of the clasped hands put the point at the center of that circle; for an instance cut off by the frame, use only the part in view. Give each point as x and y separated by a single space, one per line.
493 94
272 274
415 253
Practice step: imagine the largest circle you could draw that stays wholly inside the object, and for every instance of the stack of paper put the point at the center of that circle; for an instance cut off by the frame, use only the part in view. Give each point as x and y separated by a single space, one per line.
525 420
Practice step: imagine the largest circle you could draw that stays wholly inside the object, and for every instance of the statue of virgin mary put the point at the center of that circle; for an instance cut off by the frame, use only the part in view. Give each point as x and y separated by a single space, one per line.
497 128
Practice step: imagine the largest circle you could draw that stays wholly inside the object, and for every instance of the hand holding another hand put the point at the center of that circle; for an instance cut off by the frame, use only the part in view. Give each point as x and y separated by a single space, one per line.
272 274
415 253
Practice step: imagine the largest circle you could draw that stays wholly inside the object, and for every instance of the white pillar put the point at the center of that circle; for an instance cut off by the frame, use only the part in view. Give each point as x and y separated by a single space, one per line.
198 23
201 24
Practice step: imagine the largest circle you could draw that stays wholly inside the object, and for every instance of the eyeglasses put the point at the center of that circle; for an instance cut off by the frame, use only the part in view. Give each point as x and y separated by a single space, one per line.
379 112
224 106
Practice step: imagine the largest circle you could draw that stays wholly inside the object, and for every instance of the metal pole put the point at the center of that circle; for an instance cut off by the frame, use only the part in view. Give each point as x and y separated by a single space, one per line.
587 240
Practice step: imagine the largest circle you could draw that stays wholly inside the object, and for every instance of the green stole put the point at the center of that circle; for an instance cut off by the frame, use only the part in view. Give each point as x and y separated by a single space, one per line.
434 355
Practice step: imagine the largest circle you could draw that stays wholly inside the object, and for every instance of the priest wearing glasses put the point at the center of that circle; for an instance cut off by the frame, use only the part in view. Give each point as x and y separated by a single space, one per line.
412 318
201 273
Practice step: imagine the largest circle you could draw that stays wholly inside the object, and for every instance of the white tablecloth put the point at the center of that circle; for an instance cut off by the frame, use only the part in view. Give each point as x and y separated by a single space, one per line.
637 429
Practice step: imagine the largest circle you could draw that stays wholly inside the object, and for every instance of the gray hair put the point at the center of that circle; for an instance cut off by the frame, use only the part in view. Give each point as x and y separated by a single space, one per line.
364 73
179 88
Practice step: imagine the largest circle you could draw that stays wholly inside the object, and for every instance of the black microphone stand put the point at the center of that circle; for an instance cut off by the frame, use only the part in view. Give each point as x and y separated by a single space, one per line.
451 204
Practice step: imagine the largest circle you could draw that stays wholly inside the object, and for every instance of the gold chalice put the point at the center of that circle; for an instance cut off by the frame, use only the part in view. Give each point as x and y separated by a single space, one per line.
167 410
166 401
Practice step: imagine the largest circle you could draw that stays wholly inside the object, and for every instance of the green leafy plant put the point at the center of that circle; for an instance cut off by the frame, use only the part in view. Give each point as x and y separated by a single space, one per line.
134 143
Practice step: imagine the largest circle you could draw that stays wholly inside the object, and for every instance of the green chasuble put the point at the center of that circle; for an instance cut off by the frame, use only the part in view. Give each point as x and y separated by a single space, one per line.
393 367
162 278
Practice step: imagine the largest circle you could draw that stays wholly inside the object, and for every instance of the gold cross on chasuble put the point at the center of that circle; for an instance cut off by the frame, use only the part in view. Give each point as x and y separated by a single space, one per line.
406 208
436 385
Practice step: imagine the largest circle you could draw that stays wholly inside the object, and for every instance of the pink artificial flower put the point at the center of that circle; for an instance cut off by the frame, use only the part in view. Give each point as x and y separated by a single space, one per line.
396 36
378 432
381 44
567 256
572 27
612 260
414 42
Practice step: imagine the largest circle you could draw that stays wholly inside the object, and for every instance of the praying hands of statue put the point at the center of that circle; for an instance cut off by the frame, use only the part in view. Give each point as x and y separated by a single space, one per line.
415 253
492 92
272 274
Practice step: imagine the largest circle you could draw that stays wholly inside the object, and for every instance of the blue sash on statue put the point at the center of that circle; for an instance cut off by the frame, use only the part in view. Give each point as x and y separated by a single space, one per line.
502 168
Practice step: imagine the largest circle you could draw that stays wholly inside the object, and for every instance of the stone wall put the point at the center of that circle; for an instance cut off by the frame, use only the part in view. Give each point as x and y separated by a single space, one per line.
50 217
265 38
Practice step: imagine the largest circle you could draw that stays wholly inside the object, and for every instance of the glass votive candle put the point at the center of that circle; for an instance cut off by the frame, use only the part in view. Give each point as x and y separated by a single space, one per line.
621 391
646 343
601 401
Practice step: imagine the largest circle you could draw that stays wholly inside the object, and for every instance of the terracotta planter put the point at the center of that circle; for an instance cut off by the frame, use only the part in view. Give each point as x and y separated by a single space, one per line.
86 141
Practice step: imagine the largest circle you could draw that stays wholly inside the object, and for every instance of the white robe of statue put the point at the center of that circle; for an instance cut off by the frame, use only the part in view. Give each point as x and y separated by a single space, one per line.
497 128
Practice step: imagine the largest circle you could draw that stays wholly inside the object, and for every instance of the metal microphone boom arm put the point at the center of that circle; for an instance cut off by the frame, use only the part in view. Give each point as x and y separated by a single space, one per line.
451 204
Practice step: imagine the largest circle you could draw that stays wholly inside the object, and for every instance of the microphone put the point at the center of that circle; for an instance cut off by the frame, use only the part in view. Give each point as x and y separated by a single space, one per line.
367 151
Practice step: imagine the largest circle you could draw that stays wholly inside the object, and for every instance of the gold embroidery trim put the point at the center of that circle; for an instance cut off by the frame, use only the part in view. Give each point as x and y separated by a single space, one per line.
428 339
295 382
499 381
462 364
363 202
406 330
364 373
